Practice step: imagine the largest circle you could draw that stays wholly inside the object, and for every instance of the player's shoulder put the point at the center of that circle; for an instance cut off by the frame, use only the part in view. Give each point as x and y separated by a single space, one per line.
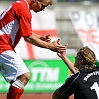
20 6
73 77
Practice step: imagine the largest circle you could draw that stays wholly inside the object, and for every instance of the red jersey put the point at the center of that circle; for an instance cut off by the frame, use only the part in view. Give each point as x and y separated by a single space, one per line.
15 22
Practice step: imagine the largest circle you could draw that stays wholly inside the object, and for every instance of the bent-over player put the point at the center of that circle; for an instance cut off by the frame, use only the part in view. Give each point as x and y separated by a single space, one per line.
15 22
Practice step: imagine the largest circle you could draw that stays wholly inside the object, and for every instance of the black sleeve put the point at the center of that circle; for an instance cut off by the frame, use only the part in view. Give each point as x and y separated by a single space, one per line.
68 88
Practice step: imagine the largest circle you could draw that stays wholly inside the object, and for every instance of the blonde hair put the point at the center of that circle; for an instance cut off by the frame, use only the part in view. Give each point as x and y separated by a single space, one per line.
88 57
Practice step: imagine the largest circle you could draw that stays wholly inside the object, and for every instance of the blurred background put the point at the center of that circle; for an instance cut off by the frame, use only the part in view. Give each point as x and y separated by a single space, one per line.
65 19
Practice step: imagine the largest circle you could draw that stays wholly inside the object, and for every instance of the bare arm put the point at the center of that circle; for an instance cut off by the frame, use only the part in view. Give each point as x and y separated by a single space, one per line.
65 59
35 40
69 64
36 35
44 37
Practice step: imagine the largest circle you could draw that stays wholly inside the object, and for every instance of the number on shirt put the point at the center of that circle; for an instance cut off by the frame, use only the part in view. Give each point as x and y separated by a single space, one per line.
95 86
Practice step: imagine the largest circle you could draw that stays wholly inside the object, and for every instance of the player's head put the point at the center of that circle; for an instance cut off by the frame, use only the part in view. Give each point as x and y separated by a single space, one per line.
85 58
39 5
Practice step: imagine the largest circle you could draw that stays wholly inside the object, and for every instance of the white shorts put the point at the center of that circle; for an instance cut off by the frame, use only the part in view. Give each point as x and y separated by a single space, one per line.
11 65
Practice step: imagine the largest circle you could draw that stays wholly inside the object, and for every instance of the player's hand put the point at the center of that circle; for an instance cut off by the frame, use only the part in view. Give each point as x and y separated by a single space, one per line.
62 54
57 47
46 38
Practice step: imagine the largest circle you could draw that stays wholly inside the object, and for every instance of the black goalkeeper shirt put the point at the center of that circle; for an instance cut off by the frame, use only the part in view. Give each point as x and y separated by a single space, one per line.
84 85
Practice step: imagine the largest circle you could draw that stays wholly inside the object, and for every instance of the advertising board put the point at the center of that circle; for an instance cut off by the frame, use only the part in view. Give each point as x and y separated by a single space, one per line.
46 75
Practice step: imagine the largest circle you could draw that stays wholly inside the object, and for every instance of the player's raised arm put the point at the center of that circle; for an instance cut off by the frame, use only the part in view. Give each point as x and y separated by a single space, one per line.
64 57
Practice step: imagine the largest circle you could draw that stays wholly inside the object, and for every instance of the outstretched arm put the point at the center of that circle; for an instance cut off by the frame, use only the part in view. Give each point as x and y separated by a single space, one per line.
37 41
64 57
44 37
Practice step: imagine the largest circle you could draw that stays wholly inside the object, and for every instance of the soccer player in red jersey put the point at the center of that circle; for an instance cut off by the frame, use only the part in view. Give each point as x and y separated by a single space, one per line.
15 22
84 80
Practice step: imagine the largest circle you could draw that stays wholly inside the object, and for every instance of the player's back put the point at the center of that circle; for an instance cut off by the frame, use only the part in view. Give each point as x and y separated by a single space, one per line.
87 84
